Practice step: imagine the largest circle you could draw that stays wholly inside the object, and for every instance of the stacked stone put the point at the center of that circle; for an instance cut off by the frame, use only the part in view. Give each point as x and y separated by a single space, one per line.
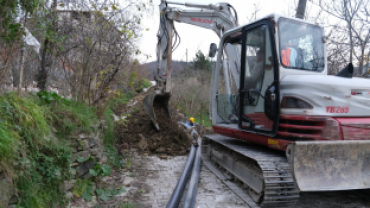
86 146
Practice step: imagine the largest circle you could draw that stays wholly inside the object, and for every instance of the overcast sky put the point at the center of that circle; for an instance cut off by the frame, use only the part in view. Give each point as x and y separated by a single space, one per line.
193 37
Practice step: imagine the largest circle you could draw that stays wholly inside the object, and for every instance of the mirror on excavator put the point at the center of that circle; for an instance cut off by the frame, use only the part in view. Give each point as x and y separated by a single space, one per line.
212 50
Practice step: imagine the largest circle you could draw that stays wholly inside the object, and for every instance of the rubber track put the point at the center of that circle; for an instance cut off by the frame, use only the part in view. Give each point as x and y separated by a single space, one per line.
279 187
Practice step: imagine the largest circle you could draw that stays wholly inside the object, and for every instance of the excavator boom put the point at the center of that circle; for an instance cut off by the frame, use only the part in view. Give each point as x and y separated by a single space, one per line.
217 18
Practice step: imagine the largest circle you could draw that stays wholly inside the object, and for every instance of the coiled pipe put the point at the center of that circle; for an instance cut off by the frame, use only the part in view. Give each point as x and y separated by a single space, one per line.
180 187
191 193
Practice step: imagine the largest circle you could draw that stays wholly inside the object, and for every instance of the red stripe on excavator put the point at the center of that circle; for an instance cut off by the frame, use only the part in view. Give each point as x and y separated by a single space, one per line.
315 129
290 126
355 128
273 143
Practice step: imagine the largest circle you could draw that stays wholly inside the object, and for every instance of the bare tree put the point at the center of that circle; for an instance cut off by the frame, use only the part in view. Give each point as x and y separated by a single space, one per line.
256 9
349 29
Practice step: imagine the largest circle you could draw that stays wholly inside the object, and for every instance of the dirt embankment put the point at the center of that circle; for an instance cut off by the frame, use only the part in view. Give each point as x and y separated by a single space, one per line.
139 132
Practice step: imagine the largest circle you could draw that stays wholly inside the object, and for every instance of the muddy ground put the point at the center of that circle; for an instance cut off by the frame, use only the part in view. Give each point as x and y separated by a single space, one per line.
138 131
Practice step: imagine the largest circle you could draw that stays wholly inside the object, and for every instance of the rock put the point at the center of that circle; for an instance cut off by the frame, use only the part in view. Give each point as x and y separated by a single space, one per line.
73 164
160 150
68 185
74 143
163 156
92 143
84 154
73 149
73 173
143 144
6 190
99 156
80 148
13 200
93 202
104 160
82 136
95 151
84 168
86 144
69 195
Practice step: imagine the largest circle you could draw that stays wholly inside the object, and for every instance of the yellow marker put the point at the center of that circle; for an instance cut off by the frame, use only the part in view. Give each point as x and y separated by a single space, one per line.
273 142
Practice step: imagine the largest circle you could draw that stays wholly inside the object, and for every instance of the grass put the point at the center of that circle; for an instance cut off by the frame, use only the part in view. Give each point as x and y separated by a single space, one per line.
35 131
206 119
29 149
198 118
128 205
8 142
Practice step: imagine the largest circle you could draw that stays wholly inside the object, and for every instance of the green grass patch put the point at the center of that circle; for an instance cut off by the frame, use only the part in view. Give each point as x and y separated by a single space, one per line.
199 119
35 131
29 149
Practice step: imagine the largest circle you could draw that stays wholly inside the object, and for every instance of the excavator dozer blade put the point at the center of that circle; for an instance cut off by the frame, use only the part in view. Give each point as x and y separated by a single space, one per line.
159 101
330 165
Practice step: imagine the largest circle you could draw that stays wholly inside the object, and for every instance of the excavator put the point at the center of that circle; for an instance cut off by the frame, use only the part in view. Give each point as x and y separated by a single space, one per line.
283 125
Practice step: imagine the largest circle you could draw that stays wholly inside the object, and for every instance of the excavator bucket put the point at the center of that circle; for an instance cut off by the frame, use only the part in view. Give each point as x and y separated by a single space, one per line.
158 102
330 165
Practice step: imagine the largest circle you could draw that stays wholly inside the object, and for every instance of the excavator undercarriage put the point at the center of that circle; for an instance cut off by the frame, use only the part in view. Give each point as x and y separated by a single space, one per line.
264 174
273 178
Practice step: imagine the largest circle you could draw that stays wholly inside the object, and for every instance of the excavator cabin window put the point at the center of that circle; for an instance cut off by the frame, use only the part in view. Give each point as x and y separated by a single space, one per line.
301 46
228 91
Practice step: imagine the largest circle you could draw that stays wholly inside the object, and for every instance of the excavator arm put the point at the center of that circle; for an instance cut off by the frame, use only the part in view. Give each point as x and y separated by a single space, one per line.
218 18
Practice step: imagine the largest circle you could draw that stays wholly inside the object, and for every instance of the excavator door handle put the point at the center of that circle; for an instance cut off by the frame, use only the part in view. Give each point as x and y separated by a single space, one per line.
272 96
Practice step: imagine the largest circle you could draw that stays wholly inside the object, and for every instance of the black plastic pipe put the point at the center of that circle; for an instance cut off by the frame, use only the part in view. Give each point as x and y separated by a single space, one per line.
180 187
191 193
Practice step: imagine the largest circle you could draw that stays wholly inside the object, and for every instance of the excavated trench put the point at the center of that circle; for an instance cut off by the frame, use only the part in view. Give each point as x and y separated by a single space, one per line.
138 131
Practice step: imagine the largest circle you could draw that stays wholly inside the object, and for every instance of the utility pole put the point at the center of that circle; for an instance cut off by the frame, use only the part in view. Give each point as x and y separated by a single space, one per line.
301 9
186 56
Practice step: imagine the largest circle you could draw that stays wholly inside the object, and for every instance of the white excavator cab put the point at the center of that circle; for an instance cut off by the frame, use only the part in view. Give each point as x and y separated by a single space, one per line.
285 100
269 48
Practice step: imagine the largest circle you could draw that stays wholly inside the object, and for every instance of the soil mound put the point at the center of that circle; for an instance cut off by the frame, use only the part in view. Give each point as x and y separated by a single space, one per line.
139 132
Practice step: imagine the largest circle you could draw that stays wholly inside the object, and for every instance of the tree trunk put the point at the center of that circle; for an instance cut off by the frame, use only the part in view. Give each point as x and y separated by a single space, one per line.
41 77
21 67
47 52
